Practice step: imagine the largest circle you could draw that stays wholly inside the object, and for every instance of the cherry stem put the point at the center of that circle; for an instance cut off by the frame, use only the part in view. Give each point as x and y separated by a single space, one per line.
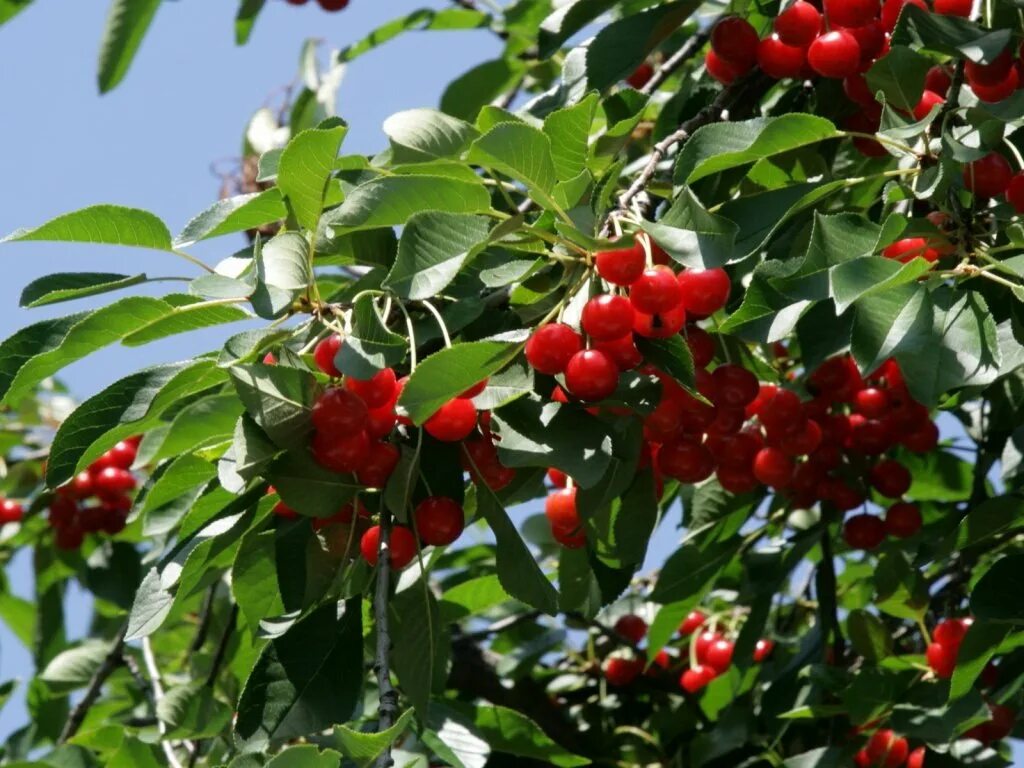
388 696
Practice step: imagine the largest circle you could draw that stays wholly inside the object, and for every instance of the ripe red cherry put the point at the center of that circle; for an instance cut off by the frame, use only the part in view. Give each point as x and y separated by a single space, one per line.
623 265
701 344
686 461
339 411
735 386
475 390
284 511
891 10
10 511
851 13
662 325
377 466
989 176
704 291
694 620
638 79
69 538
340 453
1015 192
864 531
903 520
439 521
333 5
735 40
916 758
835 54
551 347
720 69
929 99
622 351
960 8
719 655
656 291
951 632
887 749
560 510
993 94
799 24
591 375
873 41
773 468
703 643
122 454
778 60
871 403
401 546
608 317
453 421
763 649
991 74
736 480
696 677
112 482
857 90
890 478
296 2
377 391
620 672
325 352
923 439
631 627
804 442
938 80
908 248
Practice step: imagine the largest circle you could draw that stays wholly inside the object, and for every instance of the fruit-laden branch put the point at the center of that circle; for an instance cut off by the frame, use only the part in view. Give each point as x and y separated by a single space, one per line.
388 697
113 659
669 67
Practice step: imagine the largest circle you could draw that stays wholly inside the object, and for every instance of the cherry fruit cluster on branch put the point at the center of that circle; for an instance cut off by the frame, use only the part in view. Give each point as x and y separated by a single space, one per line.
97 499
327 5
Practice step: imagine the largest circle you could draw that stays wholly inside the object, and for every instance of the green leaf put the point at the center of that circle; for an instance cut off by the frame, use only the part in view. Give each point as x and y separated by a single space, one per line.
371 346
307 487
432 250
191 712
692 569
182 474
187 313
472 597
66 286
901 590
198 425
11 8
418 135
511 732
939 476
283 274
535 434
474 90
278 398
133 754
996 597
870 637
421 19
392 200
245 20
421 645
990 518
104 224
569 132
254 581
671 355
943 339
75 667
949 35
855 279
127 406
979 645
127 22
305 756
450 371
518 571
363 748
720 146
20 617
305 168
306 680
234 214
521 152
900 76
567 20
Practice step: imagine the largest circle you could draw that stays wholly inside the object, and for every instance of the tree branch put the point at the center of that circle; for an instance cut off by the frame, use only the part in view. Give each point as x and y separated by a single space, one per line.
158 693
211 679
675 61
113 659
827 597
388 706
205 614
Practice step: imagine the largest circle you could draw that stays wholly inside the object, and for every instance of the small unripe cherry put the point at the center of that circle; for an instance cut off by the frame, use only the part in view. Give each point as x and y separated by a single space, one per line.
325 352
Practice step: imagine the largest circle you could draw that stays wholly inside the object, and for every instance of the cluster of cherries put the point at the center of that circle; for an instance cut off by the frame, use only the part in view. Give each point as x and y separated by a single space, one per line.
992 176
327 5
108 482
886 749
712 652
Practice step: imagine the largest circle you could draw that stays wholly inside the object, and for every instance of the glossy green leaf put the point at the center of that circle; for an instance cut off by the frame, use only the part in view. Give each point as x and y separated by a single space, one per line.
363 748
305 167
186 314
949 35
417 135
245 20
234 214
569 132
191 711
308 488
900 76
567 20
283 274
474 90
421 19
104 224
979 645
432 250
521 152
127 23
421 645
393 200
67 286
279 399
869 636
305 756
995 597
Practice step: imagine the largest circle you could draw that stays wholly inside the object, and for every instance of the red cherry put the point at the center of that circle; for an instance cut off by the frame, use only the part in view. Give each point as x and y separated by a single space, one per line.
704 291
377 466
891 10
380 421
938 79
851 13
10 511
719 655
701 344
735 40
802 443
858 91
608 317
340 453
660 326
951 632
993 94
1015 192
923 439
560 510
81 486
910 248
113 481
989 176
799 24
783 413
703 643
475 390
686 461
283 510
696 677
296 2
1002 722
377 391
622 351
720 69
123 454
557 478
69 538
773 468
439 521
903 520
916 758
929 99
63 512
763 649
591 375
735 386
862 759
621 266
270 358
333 5
887 749
864 531
338 410
453 421
620 672
835 54
778 60
890 478
873 42
991 74
656 291
694 620
551 347
871 403
401 546
640 76
960 8
325 352
631 627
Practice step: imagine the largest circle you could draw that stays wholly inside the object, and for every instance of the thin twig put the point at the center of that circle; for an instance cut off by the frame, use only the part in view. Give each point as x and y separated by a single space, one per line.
211 679
388 697
828 600
111 661
158 693
675 61
205 614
